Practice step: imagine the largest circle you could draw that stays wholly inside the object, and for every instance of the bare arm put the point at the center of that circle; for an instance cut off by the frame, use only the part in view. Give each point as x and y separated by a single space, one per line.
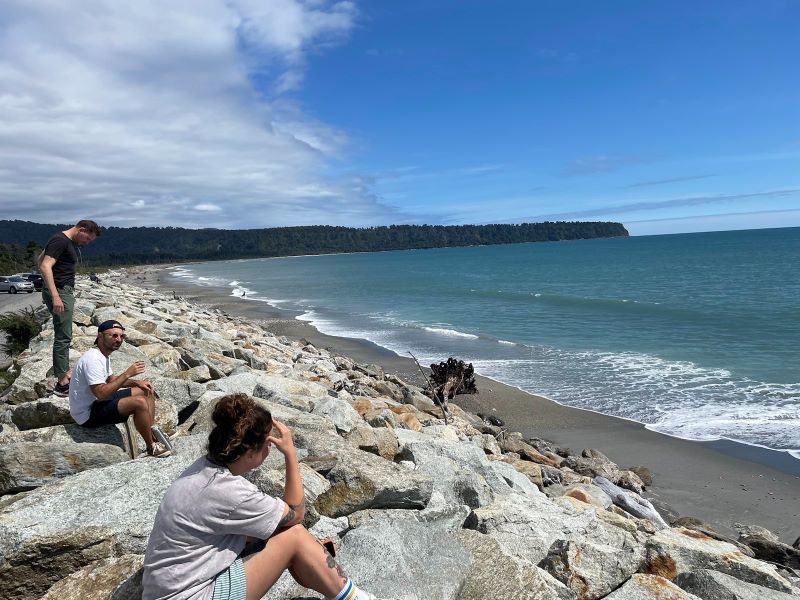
46 267
102 391
293 494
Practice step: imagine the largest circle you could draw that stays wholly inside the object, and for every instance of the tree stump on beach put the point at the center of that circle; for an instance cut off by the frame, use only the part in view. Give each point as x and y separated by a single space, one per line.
452 377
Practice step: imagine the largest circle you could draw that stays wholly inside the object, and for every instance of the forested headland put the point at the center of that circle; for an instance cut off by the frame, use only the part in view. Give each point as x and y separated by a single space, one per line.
147 245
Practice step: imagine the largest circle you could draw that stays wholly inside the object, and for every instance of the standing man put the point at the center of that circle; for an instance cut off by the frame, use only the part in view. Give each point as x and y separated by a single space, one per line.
57 264
98 398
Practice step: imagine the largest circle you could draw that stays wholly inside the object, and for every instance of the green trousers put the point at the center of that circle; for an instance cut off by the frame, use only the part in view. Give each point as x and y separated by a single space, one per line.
62 326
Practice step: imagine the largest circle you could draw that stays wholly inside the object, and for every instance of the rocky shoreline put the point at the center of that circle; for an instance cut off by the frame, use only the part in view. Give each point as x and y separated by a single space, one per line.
419 509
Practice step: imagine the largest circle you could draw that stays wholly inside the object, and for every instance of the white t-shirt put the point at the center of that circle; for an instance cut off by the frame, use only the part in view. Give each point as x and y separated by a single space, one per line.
200 529
92 368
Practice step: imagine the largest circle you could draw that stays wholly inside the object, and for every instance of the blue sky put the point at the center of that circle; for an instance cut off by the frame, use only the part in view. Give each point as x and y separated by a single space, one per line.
667 117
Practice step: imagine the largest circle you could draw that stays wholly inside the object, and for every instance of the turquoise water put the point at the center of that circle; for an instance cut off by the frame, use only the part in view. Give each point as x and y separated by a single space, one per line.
695 335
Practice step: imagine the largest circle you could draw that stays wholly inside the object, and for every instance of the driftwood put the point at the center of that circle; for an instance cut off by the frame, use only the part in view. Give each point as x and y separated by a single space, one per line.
630 502
452 377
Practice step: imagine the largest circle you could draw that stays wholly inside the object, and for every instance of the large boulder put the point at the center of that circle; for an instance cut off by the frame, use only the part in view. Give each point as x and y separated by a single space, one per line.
713 585
404 557
29 567
527 525
340 412
362 480
26 465
494 573
674 551
592 570
42 413
650 587
117 578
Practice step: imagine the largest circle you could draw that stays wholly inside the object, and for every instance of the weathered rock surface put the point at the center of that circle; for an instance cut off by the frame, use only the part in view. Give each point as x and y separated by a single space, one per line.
650 587
671 552
118 578
713 585
26 465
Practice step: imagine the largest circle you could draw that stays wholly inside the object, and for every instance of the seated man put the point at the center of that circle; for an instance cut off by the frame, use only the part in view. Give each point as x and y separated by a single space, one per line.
98 398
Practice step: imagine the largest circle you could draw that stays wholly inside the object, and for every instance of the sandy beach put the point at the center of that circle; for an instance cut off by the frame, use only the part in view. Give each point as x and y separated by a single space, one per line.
721 483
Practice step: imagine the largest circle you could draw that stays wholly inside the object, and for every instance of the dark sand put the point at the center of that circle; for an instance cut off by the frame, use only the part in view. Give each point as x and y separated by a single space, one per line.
720 483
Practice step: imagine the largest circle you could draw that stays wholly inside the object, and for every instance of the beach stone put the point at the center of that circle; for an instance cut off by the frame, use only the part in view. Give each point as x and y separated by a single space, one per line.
129 492
530 469
593 463
160 354
26 465
671 552
118 578
31 382
495 573
340 412
643 474
407 547
381 417
31 566
590 494
650 587
592 570
200 374
361 480
381 441
82 312
772 550
713 585
630 481
180 393
526 526
45 412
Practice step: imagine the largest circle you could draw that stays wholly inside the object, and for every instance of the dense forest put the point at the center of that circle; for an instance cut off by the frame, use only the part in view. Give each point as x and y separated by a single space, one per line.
18 259
141 245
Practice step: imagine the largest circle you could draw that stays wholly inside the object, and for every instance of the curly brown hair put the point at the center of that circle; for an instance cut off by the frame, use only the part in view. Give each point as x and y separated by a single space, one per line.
240 424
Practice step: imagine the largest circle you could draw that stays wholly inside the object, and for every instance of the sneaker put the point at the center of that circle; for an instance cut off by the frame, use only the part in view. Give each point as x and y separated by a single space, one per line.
159 450
161 437
61 389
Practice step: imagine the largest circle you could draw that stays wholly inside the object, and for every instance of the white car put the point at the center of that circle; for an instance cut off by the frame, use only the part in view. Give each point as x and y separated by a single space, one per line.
15 284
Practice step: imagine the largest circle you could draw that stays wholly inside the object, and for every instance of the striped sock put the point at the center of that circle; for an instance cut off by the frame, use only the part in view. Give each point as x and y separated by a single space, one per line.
351 592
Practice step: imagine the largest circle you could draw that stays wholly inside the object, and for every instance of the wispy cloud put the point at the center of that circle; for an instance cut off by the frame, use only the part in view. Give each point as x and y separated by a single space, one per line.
668 181
141 112
619 209
601 163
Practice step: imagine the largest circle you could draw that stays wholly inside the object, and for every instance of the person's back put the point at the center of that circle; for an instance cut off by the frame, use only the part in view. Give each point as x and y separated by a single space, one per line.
193 541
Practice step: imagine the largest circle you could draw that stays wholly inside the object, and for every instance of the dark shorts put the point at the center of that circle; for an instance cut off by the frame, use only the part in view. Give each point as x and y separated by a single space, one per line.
105 412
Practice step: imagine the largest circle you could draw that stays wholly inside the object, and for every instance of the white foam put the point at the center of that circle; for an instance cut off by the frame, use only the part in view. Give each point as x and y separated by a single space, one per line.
451 332
506 342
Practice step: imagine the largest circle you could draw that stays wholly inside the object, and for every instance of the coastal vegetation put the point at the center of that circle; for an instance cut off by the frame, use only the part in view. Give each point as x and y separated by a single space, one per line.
149 245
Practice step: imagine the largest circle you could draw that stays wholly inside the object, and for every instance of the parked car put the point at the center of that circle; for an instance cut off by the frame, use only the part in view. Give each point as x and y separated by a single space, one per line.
34 278
15 284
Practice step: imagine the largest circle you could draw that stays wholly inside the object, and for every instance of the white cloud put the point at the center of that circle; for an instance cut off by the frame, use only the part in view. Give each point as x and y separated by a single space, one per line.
107 107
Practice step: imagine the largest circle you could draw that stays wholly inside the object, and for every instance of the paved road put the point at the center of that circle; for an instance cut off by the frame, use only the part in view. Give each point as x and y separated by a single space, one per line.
10 302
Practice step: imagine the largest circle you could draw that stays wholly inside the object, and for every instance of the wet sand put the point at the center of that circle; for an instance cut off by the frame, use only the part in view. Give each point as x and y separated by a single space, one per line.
721 483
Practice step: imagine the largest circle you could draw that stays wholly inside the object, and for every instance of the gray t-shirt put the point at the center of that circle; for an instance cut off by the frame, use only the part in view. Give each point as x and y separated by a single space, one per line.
200 529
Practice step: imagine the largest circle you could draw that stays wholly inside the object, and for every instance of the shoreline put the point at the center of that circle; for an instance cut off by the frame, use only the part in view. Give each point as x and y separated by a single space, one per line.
720 482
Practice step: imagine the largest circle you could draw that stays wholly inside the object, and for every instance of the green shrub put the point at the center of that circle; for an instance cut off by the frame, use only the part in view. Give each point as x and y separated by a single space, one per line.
20 327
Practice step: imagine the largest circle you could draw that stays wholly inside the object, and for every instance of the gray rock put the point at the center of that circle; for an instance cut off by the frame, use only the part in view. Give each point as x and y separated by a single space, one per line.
42 413
26 465
650 587
118 578
361 480
30 567
180 393
671 552
592 570
402 558
713 585
526 526
495 573
338 411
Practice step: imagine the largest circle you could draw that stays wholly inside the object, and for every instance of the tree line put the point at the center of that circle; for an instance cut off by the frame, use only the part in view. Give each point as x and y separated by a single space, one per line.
146 245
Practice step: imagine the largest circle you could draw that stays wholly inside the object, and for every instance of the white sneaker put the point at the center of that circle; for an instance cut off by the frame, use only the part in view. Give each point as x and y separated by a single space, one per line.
159 450
161 437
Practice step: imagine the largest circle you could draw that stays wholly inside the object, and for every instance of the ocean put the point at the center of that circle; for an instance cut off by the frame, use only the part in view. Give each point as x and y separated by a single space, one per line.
694 335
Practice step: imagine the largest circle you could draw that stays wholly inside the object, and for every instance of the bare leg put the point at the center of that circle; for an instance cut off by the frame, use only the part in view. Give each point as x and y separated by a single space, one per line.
297 550
141 406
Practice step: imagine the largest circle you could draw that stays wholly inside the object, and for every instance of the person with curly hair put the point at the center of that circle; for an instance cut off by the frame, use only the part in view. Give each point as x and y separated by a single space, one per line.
211 513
